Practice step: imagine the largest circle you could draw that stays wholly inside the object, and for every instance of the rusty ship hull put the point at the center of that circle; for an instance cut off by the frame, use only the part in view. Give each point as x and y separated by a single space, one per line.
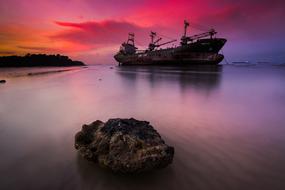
199 53
170 59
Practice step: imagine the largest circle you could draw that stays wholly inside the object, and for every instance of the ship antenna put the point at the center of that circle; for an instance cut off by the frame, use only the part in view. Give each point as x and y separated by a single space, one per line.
186 24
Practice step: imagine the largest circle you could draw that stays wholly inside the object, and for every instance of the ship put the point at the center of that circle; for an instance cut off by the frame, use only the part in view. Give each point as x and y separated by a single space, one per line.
199 49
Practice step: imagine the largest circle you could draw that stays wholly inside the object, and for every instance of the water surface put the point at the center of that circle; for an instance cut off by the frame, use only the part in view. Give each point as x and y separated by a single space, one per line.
227 125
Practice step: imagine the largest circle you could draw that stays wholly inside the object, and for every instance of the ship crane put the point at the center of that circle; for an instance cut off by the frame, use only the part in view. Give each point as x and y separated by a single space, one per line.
157 40
185 39
210 33
154 43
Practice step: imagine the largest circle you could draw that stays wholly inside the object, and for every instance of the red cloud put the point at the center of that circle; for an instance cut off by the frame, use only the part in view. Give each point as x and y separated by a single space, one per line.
100 33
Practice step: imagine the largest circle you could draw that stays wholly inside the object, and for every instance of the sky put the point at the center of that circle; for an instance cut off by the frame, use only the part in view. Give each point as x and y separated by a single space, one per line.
92 30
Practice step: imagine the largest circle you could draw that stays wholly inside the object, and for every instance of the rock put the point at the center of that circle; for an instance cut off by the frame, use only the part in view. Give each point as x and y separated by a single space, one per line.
123 145
2 81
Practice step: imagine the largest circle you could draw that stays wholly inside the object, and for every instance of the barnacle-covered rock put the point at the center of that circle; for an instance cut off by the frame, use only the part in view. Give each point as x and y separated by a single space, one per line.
124 145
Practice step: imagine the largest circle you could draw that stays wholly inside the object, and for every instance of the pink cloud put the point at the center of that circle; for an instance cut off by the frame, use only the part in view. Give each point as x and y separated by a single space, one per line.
97 34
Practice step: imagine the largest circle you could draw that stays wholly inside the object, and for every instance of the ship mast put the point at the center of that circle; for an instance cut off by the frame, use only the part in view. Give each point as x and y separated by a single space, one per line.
131 39
152 36
184 38
186 25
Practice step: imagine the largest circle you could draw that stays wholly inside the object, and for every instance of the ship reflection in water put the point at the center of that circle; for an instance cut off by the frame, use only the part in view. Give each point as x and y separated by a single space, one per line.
226 124
204 78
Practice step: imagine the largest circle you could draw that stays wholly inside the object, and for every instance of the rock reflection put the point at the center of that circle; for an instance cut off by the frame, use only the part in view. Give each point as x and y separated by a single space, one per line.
94 177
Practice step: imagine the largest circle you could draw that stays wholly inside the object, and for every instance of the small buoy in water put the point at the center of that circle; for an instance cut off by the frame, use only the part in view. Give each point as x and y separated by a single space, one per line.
2 81
100 79
111 67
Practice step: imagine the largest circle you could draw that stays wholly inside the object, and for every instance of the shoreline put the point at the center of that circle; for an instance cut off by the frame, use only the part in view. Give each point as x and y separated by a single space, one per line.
11 73
47 72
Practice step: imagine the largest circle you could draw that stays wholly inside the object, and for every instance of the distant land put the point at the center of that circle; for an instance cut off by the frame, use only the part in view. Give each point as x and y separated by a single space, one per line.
38 60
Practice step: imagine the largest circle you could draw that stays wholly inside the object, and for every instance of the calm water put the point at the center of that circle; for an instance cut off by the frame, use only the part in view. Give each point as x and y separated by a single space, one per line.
227 126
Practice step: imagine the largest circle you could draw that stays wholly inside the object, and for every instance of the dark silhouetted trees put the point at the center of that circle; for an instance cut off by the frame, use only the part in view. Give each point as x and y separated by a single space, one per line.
36 60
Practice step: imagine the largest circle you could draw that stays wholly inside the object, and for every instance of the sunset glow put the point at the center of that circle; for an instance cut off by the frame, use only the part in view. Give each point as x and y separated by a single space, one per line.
92 30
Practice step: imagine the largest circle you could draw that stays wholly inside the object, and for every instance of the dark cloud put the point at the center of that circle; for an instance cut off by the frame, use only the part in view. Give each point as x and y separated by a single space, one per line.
7 52
35 48
248 19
